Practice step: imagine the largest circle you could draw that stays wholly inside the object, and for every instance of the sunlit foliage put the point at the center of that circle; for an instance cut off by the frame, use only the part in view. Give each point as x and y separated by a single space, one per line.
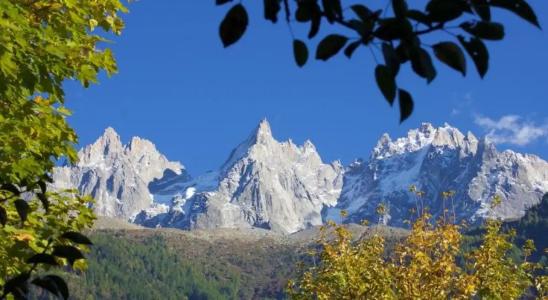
42 44
423 266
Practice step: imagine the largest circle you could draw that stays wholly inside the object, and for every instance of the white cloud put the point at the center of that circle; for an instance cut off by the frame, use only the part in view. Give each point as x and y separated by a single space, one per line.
511 129
462 103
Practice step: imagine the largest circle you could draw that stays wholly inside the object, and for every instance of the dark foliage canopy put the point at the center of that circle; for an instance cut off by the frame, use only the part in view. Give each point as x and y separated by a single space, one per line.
396 31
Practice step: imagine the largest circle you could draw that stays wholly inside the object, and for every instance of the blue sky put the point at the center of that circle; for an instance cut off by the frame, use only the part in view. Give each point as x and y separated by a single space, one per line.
178 87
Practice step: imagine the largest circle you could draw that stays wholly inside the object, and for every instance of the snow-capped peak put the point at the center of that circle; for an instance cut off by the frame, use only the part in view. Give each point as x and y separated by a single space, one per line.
263 132
117 175
425 135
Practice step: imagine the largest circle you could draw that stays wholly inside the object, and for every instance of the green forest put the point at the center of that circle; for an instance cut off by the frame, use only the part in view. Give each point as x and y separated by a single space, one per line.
158 264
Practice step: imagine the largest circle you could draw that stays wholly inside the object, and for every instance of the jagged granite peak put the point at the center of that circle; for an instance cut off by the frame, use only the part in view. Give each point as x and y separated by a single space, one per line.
264 183
263 133
286 187
117 175
437 160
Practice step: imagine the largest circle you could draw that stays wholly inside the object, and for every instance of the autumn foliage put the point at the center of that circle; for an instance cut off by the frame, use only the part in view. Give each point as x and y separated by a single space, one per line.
427 264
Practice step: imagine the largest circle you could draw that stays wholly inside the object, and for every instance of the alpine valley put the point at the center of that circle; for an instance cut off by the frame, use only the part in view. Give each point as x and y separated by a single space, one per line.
285 188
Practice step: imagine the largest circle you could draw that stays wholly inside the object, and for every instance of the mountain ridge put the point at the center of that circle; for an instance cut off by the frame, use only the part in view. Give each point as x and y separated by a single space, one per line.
284 187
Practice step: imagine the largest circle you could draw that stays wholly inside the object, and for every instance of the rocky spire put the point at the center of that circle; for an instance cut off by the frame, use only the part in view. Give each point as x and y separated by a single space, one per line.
117 175
263 133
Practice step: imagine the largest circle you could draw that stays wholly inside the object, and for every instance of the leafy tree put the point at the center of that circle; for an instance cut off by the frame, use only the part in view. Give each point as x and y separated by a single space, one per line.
43 43
399 33
534 225
423 266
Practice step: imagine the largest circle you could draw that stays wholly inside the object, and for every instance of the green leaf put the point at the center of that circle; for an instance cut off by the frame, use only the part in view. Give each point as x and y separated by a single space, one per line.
43 258
233 25
478 52
330 46
451 54
76 237
69 252
520 8
3 216
386 82
484 30
349 50
406 105
221 2
300 52
445 10
391 59
271 9
482 9
421 62
23 209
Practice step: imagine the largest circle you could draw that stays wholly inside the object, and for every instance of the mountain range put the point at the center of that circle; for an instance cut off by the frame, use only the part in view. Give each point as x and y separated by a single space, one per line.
284 187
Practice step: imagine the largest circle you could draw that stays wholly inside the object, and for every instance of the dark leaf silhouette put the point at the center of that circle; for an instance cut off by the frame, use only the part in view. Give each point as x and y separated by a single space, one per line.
484 30
69 252
43 258
53 284
271 10
362 11
332 9
351 48
44 200
386 82
330 46
12 188
451 54
300 52
445 10
17 286
520 8
406 105
419 16
3 216
233 25
77 238
400 8
221 2
391 59
482 9
23 209
478 52
421 62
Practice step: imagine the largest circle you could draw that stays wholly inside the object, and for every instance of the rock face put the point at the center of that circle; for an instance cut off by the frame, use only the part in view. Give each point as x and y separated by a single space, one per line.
263 183
286 188
437 160
118 175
